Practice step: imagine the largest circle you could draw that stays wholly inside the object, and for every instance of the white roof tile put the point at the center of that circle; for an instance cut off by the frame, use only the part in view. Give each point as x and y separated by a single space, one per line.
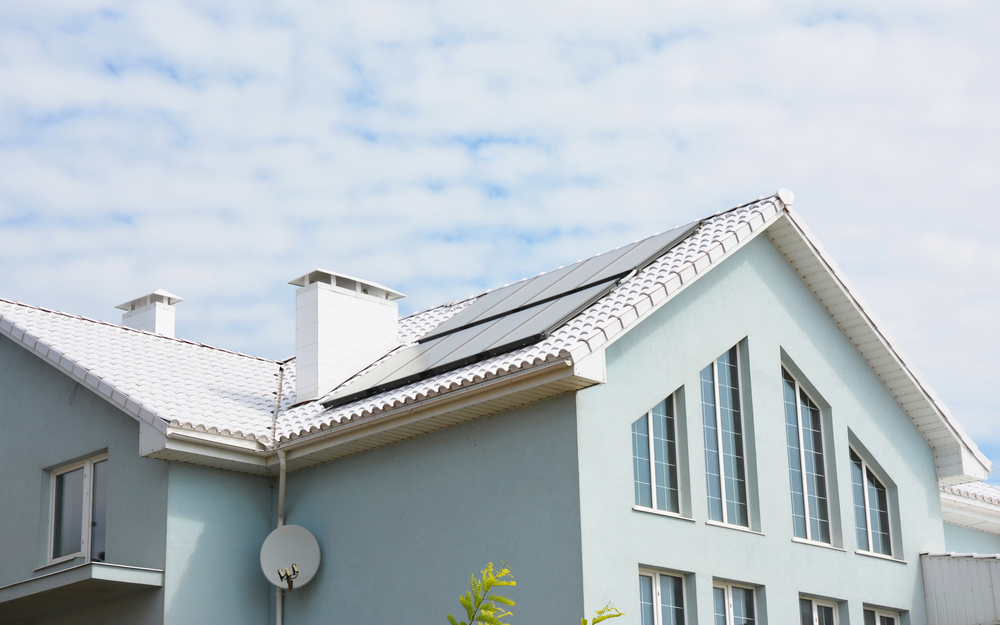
975 490
198 387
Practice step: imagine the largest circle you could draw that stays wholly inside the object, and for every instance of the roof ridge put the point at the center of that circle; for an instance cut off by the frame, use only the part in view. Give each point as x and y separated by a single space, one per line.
144 332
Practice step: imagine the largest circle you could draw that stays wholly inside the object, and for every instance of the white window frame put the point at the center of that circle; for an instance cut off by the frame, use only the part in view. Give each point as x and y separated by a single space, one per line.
743 437
657 601
815 612
865 468
728 587
87 518
652 461
880 613
802 458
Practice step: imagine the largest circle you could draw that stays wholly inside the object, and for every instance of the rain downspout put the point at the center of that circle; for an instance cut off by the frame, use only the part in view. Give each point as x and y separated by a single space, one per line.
278 593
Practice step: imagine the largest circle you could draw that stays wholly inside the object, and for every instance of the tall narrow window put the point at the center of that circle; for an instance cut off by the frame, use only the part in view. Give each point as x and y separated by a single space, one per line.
661 599
656 482
79 510
806 466
722 413
878 617
817 612
871 508
734 605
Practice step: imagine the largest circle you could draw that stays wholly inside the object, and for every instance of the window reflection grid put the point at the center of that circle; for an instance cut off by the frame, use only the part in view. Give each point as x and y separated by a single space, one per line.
723 430
871 508
654 458
734 605
661 599
806 464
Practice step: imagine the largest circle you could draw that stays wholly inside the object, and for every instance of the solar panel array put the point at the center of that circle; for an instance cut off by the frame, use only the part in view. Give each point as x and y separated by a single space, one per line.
511 317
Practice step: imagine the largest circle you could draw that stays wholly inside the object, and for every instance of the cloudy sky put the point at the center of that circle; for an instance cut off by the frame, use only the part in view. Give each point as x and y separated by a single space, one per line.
219 149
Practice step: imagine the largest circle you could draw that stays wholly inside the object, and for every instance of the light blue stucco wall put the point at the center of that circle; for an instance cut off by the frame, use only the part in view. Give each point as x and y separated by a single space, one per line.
216 523
966 540
48 420
404 526
757 298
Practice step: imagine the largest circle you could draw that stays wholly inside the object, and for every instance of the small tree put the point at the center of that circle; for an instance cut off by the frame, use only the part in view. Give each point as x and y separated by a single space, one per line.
608 611
479 606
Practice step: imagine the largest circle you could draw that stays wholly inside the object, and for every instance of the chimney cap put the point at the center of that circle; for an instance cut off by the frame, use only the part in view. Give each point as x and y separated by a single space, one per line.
158 295
330 277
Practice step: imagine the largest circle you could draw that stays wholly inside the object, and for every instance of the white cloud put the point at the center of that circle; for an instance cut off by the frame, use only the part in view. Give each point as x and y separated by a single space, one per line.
218 149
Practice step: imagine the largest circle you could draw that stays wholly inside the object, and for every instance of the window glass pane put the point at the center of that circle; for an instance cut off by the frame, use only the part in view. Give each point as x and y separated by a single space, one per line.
794 461
640 463
732 439
646 599
719 599
672 599
887 620
711 444
68 515
860 519
812 442
743 606
665 456
824 614
878 505
869 617
805 612
99 507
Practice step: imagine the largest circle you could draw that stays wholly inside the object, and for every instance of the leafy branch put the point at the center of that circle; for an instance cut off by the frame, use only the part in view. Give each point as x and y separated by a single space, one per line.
608 611
479 606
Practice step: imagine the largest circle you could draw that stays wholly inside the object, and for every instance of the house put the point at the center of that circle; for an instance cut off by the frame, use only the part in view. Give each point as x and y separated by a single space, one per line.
705 426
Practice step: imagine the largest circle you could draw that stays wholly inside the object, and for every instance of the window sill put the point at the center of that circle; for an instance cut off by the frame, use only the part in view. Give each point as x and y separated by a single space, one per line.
872 554
734 527
672 515
803 541
62 560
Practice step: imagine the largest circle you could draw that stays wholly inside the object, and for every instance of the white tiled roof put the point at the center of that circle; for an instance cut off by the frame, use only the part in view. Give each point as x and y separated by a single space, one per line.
151 376
975 490
198 387
590 326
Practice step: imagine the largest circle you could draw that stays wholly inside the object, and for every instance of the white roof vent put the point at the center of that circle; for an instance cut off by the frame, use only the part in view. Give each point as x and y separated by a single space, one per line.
152 313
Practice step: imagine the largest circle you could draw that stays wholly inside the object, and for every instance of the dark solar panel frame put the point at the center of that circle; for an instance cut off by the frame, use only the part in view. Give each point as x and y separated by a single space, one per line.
528 312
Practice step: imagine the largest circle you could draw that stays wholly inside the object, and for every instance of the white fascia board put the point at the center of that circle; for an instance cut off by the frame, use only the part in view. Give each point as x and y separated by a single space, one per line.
977 463
974 512
69 367
464 397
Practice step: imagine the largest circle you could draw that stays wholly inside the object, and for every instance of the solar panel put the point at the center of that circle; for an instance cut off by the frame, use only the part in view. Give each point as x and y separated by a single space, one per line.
511 317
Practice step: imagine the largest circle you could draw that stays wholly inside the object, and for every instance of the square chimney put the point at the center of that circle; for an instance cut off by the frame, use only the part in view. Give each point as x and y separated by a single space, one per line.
152 313
342 325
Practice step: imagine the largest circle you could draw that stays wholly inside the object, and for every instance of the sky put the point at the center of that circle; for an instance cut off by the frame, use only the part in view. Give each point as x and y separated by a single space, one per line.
220 149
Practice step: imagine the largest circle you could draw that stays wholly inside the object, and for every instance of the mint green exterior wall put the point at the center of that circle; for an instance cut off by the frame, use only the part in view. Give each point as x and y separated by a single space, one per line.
216 523
757 298
966 540
402 527
47 421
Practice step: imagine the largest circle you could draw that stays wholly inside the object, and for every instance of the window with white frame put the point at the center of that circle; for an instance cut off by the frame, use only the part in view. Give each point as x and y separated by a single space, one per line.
734 605
661 598
79 496
814 612
871 508
654 458
880 617
722 414
806 465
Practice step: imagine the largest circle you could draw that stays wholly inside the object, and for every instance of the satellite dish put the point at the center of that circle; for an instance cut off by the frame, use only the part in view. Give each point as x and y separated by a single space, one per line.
289 557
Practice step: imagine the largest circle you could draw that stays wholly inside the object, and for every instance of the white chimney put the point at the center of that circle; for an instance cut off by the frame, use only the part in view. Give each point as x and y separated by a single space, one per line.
342 325
152 313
